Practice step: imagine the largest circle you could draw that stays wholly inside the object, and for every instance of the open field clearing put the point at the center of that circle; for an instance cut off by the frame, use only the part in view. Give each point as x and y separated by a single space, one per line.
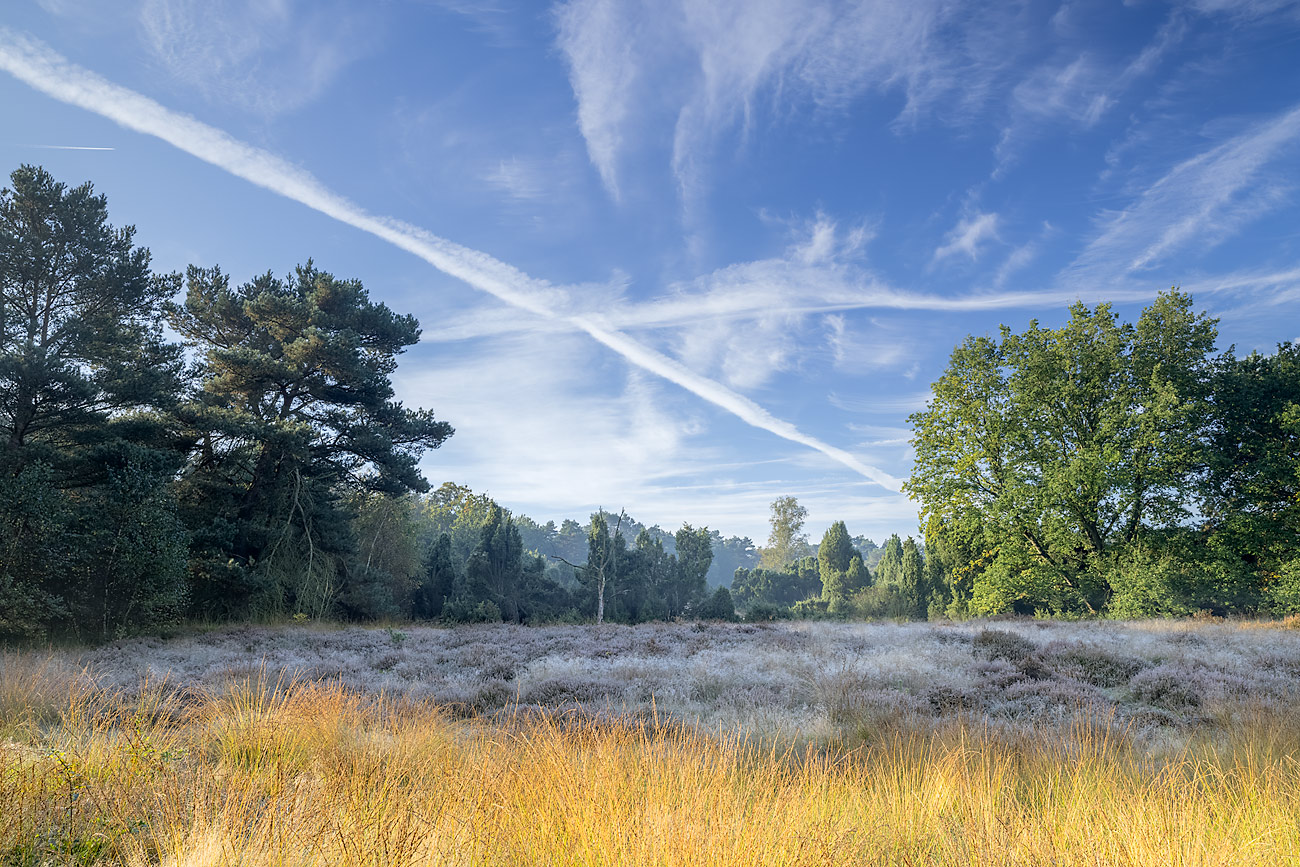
1008 743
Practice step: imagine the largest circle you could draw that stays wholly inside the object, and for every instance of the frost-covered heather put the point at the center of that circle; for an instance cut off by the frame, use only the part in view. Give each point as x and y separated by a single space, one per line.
1157 679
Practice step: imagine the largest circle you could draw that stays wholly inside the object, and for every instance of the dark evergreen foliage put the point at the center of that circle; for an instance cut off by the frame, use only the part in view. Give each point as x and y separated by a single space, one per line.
1101 467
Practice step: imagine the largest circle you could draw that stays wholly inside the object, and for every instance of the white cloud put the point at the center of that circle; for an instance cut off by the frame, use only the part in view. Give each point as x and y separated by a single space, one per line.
597 38
907 403
968 235
264 56
600 438
519 179
34 64
1078 90
854 351
707 68
1196 204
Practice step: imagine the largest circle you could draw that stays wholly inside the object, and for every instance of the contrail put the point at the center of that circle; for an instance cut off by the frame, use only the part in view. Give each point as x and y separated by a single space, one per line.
69 148
36 65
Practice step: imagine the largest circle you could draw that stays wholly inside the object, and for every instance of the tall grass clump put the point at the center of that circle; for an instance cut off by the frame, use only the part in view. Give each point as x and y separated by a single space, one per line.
271 771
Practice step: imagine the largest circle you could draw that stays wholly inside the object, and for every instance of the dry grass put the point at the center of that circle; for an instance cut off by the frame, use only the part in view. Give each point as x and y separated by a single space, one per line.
259 768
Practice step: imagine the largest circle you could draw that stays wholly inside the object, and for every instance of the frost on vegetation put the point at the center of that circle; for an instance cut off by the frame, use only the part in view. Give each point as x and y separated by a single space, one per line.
796 677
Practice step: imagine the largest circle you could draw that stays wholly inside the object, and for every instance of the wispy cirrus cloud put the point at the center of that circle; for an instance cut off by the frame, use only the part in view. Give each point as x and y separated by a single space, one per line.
1078 89
264 56
968 236
702 69
1198 203
41 68
598 39
521 180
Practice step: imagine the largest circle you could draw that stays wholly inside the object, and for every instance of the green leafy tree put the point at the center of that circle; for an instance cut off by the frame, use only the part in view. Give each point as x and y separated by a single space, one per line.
787 541
87 529
460 513
889 571
80 337
601 568
296 407
694 556
911 580
384 569
718 606
648 579
1065 446
839 564
37 527
438 582
783 589
494 572
1250 493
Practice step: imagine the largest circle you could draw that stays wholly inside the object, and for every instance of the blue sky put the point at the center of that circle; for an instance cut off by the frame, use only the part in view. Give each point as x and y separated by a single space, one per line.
685 257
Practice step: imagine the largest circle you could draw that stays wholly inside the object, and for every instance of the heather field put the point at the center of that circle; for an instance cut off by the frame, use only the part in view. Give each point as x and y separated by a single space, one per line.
1017 742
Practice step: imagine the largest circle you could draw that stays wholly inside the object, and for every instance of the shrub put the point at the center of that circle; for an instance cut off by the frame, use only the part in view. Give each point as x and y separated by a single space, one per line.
557 691
1090 664
809 609
463 611
766 612
1171 687
999 644
718 606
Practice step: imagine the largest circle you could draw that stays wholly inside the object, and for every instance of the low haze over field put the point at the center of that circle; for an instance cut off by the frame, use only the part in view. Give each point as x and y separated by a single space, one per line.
685 258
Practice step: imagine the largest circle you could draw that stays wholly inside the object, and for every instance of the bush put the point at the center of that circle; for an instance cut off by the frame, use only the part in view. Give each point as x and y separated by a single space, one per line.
1170 687
1090 664
766 611
874 603
463 611
999 644
809 609
718 606
1282 594
558 691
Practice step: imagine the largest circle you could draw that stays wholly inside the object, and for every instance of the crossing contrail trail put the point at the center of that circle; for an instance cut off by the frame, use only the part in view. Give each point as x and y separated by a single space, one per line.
36 65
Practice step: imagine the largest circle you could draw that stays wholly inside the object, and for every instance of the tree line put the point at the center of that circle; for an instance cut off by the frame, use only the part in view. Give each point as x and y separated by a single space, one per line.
176 446
1102 468
843 577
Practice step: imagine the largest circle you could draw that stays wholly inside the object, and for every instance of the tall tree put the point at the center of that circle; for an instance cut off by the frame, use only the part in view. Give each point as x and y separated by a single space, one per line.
605 554
787 541
889 571
80 336
296 406
494 572
85 380
836 559
911 580
460 513
438 582
1250 493
1066 445
694 556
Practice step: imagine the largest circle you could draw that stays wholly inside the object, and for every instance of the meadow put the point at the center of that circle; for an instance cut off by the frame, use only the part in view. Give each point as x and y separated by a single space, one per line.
1017 742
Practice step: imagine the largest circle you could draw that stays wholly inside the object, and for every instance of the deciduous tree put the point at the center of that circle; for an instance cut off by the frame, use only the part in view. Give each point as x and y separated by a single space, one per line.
1062 446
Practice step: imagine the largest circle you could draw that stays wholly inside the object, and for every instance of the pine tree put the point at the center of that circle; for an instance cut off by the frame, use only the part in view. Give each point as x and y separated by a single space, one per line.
89 541
833 557
911 581
296 407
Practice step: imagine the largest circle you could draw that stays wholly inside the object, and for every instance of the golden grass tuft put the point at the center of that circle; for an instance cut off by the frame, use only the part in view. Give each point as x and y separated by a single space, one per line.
273 772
